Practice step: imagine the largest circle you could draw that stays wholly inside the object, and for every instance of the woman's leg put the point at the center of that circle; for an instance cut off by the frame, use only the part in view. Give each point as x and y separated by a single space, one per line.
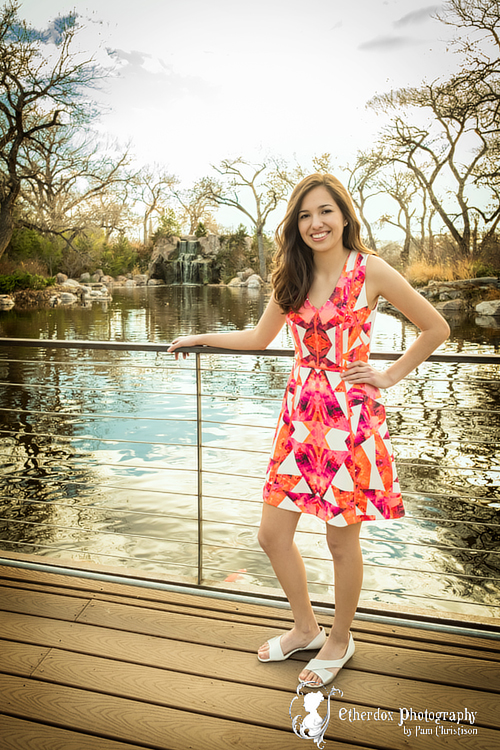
348 572
276 534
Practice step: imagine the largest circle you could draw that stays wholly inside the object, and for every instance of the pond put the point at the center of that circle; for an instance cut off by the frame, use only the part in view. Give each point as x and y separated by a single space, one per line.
99 452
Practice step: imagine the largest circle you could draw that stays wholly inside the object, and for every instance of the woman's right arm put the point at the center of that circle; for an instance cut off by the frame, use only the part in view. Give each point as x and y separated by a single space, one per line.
258 338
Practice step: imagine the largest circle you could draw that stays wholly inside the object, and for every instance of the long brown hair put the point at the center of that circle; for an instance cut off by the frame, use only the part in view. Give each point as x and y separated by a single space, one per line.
293 262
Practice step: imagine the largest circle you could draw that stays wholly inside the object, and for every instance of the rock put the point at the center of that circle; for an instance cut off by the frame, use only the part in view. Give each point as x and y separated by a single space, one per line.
107 280
245 275
61 278
130 282
156 282
67 298
121 278
71 283
489 307
6 302
96 277
235 282
85 278
452 306
209 245
141 279
487 321
254 282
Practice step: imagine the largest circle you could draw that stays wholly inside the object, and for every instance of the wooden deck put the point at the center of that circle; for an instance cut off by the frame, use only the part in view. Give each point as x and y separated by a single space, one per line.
86 665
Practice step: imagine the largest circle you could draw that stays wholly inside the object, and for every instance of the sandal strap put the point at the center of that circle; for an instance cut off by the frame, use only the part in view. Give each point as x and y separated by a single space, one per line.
275 650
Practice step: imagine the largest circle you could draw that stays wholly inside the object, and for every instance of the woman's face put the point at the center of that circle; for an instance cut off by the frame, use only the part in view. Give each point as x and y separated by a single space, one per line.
320 221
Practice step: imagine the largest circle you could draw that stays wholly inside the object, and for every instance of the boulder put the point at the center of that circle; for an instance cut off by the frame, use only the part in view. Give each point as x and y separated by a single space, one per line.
6 302
67 298
71 284
246 274
141 279
487 321
85 278
235 282
156 282
107 280
452 306
61 278
254 282
489 307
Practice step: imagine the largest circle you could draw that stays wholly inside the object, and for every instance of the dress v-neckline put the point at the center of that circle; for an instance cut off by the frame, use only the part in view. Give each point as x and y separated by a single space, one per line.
336 286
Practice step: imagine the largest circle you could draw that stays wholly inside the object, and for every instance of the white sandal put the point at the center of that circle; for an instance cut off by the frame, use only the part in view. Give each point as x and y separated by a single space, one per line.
320 666
276 654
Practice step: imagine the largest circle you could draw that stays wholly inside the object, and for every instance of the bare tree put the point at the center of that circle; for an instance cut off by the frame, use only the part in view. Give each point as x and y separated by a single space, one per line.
72 182
266 192
42 87
446 132
153 189
196 205
363 185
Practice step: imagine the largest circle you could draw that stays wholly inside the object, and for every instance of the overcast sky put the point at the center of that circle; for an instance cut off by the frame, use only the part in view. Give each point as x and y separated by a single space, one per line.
196 81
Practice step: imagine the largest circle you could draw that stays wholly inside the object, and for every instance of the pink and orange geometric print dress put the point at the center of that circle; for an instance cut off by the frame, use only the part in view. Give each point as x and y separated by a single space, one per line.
332 455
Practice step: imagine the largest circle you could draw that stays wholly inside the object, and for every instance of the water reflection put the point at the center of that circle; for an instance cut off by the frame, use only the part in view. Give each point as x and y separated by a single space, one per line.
98 456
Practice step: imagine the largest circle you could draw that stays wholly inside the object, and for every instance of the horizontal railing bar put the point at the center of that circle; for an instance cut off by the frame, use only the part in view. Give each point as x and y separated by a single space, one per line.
83 530
368 564
210 545
102 484
124 556
395 439
83 415
93 364
156 347
127 511
60 390
80 438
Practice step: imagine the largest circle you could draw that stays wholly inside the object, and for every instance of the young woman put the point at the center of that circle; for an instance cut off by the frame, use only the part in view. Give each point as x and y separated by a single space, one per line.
331 455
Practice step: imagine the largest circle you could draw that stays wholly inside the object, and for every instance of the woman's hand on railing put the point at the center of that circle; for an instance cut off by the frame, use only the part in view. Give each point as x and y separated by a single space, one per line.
180 342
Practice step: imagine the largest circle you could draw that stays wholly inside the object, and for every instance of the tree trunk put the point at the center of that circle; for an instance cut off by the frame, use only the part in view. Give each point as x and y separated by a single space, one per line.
6 223
262 257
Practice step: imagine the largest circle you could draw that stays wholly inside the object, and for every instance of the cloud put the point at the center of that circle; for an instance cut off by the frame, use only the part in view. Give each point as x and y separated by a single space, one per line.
147 75
387 43
53 34
417 16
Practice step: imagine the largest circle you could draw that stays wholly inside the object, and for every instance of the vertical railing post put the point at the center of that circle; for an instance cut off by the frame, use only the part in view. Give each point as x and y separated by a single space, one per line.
199 441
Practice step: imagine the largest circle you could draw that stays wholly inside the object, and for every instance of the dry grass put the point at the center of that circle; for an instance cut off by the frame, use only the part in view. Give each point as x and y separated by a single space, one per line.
35 267
420 273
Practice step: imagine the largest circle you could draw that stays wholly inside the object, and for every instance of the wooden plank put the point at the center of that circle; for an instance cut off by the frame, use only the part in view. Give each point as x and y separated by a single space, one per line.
219 663
453 670
130 721
216 604
17 734
483 648
226 700
243 702
41 604
20 658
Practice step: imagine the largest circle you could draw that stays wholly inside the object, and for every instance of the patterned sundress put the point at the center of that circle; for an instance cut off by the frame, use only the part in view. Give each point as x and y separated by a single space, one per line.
332 456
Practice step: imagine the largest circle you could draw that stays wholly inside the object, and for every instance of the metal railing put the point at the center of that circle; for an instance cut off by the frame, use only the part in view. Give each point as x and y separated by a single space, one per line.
23 422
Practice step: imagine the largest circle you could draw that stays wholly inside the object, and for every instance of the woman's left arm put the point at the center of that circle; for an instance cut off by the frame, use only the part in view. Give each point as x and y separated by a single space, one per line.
382 280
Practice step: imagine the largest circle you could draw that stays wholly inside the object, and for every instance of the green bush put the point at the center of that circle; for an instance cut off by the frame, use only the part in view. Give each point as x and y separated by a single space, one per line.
119 258
201 230
28 244
23 280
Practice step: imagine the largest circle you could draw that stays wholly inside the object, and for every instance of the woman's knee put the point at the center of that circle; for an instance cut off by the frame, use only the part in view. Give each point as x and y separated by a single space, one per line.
276 530
343 542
